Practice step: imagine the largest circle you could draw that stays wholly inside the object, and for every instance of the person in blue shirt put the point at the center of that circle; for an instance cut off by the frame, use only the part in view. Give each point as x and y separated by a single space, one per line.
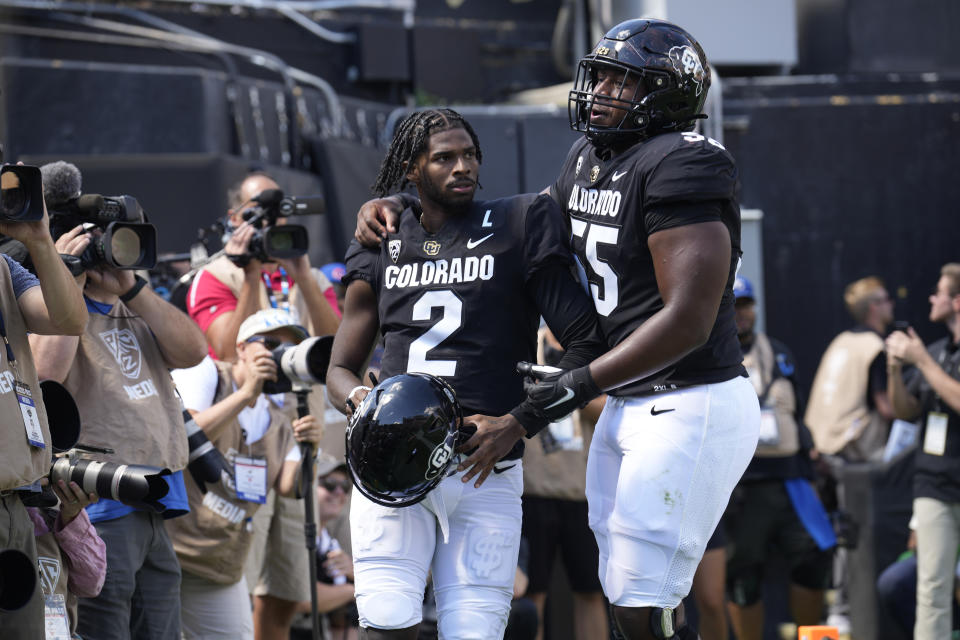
118 374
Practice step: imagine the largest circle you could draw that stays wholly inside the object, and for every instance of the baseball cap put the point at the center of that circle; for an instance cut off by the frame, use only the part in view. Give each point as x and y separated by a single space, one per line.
334 271
743 288
326 463
268 320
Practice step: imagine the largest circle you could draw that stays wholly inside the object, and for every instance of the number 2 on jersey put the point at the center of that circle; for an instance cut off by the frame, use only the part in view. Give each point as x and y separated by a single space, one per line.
599 234
448 323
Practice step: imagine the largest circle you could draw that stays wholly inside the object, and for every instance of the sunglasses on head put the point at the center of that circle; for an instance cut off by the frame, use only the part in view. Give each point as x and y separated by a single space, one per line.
331 484
269 342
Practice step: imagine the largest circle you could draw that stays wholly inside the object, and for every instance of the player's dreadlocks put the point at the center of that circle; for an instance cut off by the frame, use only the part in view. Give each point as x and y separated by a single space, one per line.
410 139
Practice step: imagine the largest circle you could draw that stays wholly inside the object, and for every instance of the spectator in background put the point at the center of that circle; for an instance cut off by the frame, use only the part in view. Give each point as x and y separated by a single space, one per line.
934 397
848 412
555 511
118 374
774 510
221 297
257 433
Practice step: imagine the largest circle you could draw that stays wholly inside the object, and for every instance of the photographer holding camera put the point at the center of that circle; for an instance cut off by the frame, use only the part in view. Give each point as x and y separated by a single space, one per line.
224 294
257 431
48 303
118 373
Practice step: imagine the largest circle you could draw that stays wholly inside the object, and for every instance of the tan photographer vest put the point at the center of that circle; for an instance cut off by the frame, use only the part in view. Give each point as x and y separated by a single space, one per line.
125 394
20 463
778 401
838 414
213 540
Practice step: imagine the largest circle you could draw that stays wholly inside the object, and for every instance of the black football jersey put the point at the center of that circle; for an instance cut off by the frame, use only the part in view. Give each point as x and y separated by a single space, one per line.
454 303
613 205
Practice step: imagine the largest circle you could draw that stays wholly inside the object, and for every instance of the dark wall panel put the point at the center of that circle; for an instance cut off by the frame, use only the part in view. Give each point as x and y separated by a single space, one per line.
87 108
849 191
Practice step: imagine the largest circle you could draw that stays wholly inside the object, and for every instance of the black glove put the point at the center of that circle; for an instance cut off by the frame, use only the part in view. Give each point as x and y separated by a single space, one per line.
554 393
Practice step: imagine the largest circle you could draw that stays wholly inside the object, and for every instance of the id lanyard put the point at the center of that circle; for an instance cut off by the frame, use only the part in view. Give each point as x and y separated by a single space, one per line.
284 291
28 408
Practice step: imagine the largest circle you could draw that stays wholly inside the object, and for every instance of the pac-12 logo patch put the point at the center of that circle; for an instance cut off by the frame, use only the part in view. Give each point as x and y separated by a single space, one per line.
431 247
438 460
49 574
394 247
125 349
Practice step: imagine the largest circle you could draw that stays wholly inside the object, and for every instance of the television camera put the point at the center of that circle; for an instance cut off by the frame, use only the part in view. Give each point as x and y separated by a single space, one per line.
122 237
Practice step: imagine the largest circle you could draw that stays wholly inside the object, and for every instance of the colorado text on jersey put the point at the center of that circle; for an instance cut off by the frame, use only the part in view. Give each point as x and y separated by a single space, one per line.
454 271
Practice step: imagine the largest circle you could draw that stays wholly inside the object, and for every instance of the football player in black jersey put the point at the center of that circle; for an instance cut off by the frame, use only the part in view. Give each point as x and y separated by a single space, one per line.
457 292
656 224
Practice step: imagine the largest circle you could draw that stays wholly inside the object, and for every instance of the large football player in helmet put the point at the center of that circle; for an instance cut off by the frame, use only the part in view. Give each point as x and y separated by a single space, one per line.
457 292
653 211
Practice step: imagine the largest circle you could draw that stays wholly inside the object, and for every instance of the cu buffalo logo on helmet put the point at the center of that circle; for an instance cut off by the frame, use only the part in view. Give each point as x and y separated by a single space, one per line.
438 460
687 64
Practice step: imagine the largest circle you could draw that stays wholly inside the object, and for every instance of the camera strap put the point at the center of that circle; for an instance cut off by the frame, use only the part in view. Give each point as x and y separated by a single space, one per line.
284 303
28 408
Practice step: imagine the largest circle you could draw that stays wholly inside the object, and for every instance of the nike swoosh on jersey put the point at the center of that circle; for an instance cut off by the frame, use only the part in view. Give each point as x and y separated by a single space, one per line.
616 176
502 469
474 243
654 412
567 396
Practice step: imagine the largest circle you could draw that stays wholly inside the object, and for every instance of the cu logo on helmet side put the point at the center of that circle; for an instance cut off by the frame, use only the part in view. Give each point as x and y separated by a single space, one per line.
438 460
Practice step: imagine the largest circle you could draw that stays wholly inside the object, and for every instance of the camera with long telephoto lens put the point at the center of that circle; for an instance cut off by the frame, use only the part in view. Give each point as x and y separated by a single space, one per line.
136 485
300 366
272 241
21 193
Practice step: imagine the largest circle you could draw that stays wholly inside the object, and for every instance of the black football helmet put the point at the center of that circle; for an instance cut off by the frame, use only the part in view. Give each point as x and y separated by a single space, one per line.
672 77
401 439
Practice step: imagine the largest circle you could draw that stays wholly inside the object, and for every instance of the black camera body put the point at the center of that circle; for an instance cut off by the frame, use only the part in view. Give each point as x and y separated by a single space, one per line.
125 239
272 241
21 193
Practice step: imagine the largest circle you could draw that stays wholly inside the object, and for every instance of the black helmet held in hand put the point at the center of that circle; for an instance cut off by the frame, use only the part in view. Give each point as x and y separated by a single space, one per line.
401 439
669 67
